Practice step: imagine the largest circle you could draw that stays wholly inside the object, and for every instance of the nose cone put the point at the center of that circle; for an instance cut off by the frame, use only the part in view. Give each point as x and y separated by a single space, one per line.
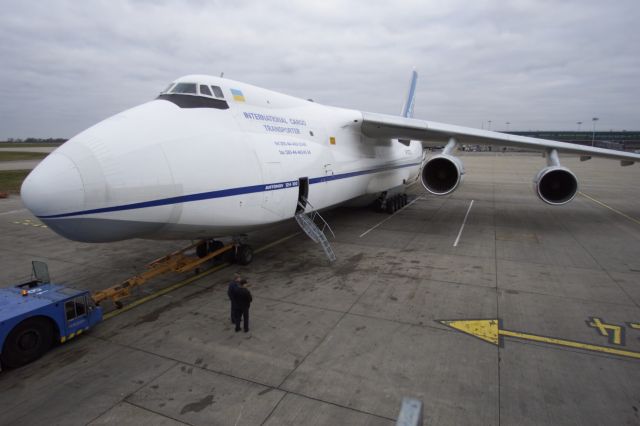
53 187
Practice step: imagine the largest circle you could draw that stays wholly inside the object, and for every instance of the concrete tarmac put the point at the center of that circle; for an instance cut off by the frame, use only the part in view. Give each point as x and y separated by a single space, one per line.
344 343
19 165
23 164
40 149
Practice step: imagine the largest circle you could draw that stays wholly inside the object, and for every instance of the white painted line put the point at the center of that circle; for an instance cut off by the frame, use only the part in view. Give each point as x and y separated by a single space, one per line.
463 222
380 223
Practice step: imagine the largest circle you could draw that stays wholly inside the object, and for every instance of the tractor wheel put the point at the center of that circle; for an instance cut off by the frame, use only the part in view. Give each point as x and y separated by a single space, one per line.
27 342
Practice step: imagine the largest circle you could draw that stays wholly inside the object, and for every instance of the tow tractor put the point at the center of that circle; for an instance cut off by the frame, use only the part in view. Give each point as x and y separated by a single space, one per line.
34 313
37 314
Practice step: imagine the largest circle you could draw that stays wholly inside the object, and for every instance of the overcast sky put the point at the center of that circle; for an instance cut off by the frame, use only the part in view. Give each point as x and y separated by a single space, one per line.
65 65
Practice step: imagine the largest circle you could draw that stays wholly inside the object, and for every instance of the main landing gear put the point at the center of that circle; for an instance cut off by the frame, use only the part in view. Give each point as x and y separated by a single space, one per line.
392 203
234 252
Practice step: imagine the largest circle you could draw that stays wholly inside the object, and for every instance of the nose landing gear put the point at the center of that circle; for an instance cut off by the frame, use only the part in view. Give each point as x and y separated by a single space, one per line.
240 253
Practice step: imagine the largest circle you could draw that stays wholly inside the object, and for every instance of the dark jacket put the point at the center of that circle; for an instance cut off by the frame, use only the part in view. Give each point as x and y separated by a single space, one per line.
233 286
242 297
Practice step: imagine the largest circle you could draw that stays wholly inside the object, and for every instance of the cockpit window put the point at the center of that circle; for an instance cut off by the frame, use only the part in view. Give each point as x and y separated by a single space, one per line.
217 91
182 95
185 88
204 90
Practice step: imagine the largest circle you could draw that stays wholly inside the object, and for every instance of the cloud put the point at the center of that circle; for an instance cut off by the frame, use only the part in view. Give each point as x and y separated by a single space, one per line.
537 64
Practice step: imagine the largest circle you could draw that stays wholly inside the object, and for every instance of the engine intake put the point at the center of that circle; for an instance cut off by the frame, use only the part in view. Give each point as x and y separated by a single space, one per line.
442 174
555 185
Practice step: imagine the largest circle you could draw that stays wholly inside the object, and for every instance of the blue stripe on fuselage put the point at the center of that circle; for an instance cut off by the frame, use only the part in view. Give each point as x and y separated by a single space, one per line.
223 193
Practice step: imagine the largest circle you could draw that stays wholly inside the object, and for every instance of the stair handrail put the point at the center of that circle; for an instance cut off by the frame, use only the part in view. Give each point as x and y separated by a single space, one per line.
315 213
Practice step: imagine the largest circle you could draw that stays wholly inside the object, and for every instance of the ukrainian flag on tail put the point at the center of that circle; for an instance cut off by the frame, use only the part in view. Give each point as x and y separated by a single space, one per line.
237 95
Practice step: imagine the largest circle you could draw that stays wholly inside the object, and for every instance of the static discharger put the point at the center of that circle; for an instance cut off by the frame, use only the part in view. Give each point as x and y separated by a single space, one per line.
490 331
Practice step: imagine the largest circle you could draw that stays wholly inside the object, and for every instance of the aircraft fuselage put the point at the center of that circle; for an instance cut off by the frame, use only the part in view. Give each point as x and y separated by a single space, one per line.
187 167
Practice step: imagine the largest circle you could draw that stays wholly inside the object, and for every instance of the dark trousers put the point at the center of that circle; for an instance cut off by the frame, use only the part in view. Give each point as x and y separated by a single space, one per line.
238 314
233 313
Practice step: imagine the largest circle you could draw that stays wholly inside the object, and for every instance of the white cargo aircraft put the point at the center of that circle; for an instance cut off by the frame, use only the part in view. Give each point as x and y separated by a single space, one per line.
212 157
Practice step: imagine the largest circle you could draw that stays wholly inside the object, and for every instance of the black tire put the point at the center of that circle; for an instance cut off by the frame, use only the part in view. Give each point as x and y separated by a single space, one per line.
405 200
244 254
201 250
389 206
27 342
396 204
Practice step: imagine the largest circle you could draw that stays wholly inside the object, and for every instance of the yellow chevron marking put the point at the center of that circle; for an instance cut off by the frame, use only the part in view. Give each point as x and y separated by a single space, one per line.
489 331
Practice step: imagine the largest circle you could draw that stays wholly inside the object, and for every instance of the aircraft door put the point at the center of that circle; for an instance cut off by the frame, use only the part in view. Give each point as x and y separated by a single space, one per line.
303 194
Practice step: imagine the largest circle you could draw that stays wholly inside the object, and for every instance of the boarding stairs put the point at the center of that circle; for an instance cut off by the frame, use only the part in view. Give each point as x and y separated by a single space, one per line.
316 232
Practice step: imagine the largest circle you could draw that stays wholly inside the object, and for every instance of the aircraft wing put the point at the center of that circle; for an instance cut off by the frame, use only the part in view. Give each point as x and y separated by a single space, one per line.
430 133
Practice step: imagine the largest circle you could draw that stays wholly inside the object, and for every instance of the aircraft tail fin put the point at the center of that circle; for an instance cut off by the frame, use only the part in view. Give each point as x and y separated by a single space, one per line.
407 109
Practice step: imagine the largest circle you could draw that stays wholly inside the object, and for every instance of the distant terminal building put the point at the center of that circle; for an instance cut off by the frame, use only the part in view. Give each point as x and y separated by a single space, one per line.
623 140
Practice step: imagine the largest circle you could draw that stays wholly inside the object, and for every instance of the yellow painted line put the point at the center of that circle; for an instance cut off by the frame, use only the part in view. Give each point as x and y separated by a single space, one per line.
164 291
275 243
187 281
634 325
570 343
489 331
632 219
29 222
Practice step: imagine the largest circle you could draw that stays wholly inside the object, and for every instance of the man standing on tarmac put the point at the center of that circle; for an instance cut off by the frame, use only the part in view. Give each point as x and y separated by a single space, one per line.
242 299
231 290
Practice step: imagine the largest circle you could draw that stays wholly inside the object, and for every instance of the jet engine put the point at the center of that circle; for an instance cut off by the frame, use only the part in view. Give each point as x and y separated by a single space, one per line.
442 174
555 185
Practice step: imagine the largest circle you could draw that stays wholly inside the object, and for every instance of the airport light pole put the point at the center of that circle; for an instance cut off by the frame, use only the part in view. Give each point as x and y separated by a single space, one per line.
579 123
593 137
489 127
507 123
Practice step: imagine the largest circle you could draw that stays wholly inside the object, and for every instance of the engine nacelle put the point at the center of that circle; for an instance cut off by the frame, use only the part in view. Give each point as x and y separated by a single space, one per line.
555 185
442 174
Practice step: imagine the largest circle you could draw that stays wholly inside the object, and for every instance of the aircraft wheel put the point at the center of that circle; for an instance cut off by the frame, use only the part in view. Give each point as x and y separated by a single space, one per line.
389 206
244 254
27 342
215 245
201 250
405 199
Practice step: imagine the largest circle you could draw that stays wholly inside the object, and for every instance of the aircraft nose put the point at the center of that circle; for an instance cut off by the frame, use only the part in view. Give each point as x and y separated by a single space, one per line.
53 187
